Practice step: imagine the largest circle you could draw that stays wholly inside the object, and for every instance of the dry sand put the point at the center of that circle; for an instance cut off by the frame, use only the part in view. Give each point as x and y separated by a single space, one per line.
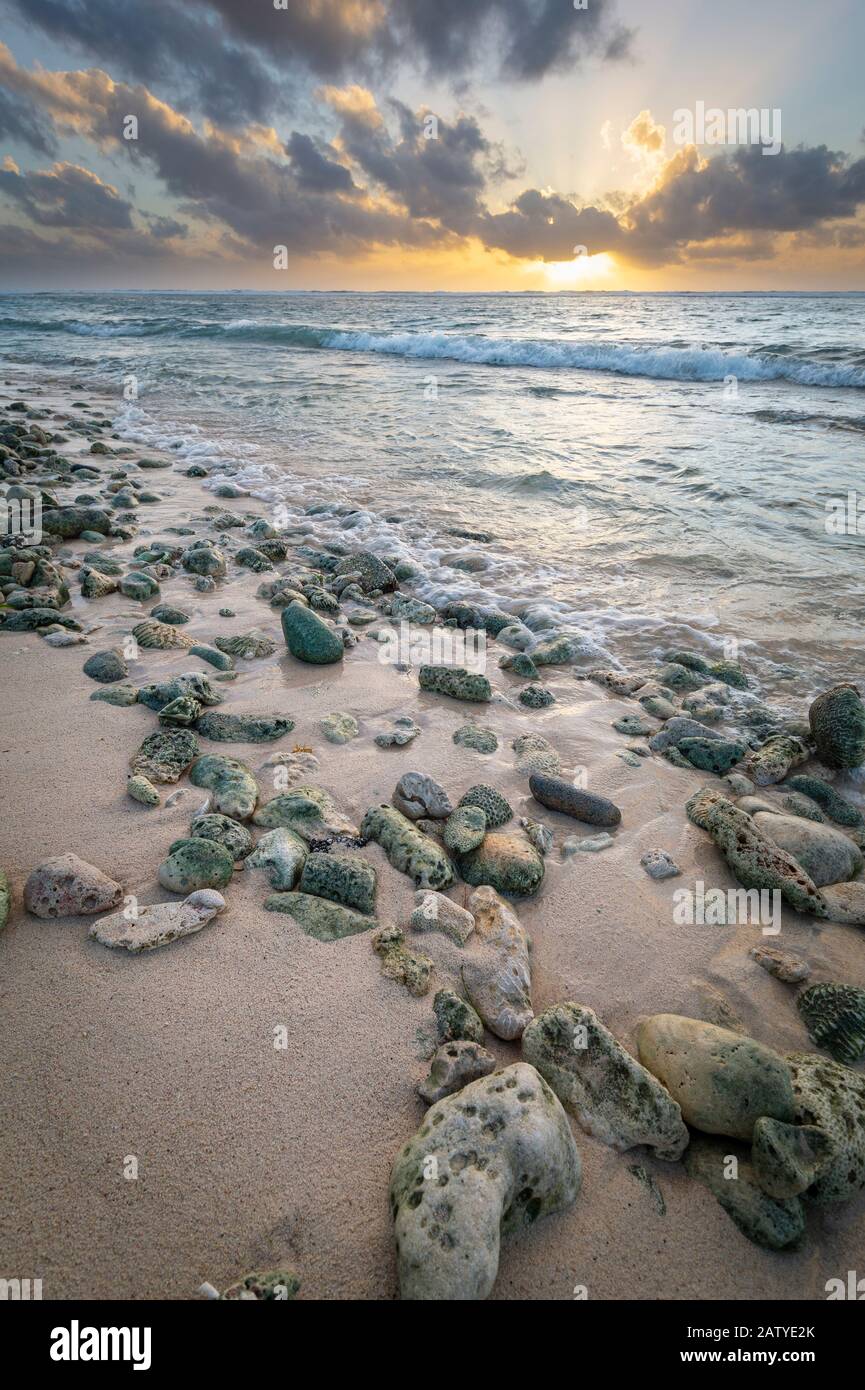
250 1157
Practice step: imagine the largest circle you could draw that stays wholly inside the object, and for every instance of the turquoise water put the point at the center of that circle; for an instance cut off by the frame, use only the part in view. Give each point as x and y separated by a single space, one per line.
652 468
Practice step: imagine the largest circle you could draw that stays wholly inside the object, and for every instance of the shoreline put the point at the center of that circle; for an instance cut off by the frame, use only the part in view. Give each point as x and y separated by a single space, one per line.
254 1158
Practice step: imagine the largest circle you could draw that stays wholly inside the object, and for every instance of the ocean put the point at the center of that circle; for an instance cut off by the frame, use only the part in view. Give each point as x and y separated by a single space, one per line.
653 470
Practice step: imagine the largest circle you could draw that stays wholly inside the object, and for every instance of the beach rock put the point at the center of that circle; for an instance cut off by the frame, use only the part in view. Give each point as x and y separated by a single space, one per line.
319 917
465 829
243 728
787 967
165 755
310 812
69 522
658 706
559 795
412 610
556 651
139 586
281 1285
771 1223
677 728
435 912
343 878
32 619
309 638
409 968
612 1097
213 656
418 795
372 572
516 636
788 1159
455 1018
404 731
232 784
106 666
757 803
474 736
826 855
521 664
509 863
455 1065
140 788
203 558
253 559
835 1018
536 697
591 844
536 754
738 784
497 974
160 636
774 759
505 1147
831 1097
181 713
159 923
196 863
167 613
802 806
756 861
66 886
712 755
538 834
477 615
833 803
494 806
158 694
632 725
226 832
339 728
837 720
94 584
722 1081
845 902
407 848
456 682
659 864
282 854
249 646
6 898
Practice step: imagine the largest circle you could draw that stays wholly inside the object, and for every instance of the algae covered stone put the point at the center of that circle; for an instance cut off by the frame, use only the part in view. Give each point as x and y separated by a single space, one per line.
196 863
504 1146
343 878
407 848
455 1018
454 1066
141 789
282 854
475 736
722 1081
788 1159
837 719
826 854
318 917
436 912
509 863
310 812
226 832
339 727
308 637
106 666
612 1096
832 1098
456 682
465 829
775 1224
243 728
496 809
410 968
232 784
835 1018
165 754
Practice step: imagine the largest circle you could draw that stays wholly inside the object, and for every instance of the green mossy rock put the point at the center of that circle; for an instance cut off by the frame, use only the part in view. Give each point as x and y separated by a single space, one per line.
165 755
309 811
837 720
282 855
773 1224
509 863
343 878
456 682
196 863
497 811
455 1018
318 917
226 832
243 728
232 783
832 1098
407 848
309 638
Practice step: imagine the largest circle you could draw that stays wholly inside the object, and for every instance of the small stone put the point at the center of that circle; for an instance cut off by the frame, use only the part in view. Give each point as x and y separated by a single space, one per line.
418 795
308 637
319 917
784 965
106 666
712 755
213 656
455 1018
788 1159
826 854
140 788
775 1225
165 755
832 1098
180 713
282 855
774 759
833 803
278 1284
592 844
409 968
454 1066
196 863
232 783
407 848
837 720
536 697
456 682
67 886
613 1098
243 728
347 879
539 835
845 902
311 813
659 864
158 924
249 646
435 912
536 754
474 736
835 1018
564 797
465 829
404 731
160 636
339 728
226 832
496 809
507 862
632 725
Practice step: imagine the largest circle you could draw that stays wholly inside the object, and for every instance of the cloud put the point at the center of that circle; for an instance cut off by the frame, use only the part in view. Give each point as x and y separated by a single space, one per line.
313 169
66 196
20 120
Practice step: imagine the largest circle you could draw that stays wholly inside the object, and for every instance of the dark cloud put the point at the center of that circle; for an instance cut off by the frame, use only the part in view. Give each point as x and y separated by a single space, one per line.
161 42
233 58
546 226
165 227
66 196
313 169
20 120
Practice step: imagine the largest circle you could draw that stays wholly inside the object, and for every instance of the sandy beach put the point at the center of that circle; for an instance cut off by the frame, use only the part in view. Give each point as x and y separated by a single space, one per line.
252 1156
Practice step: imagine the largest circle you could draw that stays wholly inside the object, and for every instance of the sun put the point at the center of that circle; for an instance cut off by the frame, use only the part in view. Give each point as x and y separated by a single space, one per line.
585 272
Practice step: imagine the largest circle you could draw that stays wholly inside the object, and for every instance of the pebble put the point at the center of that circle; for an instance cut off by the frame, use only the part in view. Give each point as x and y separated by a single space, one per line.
559 795
659 864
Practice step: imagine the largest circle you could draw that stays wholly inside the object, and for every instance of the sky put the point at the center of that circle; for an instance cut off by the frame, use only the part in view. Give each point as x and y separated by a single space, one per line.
432 144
